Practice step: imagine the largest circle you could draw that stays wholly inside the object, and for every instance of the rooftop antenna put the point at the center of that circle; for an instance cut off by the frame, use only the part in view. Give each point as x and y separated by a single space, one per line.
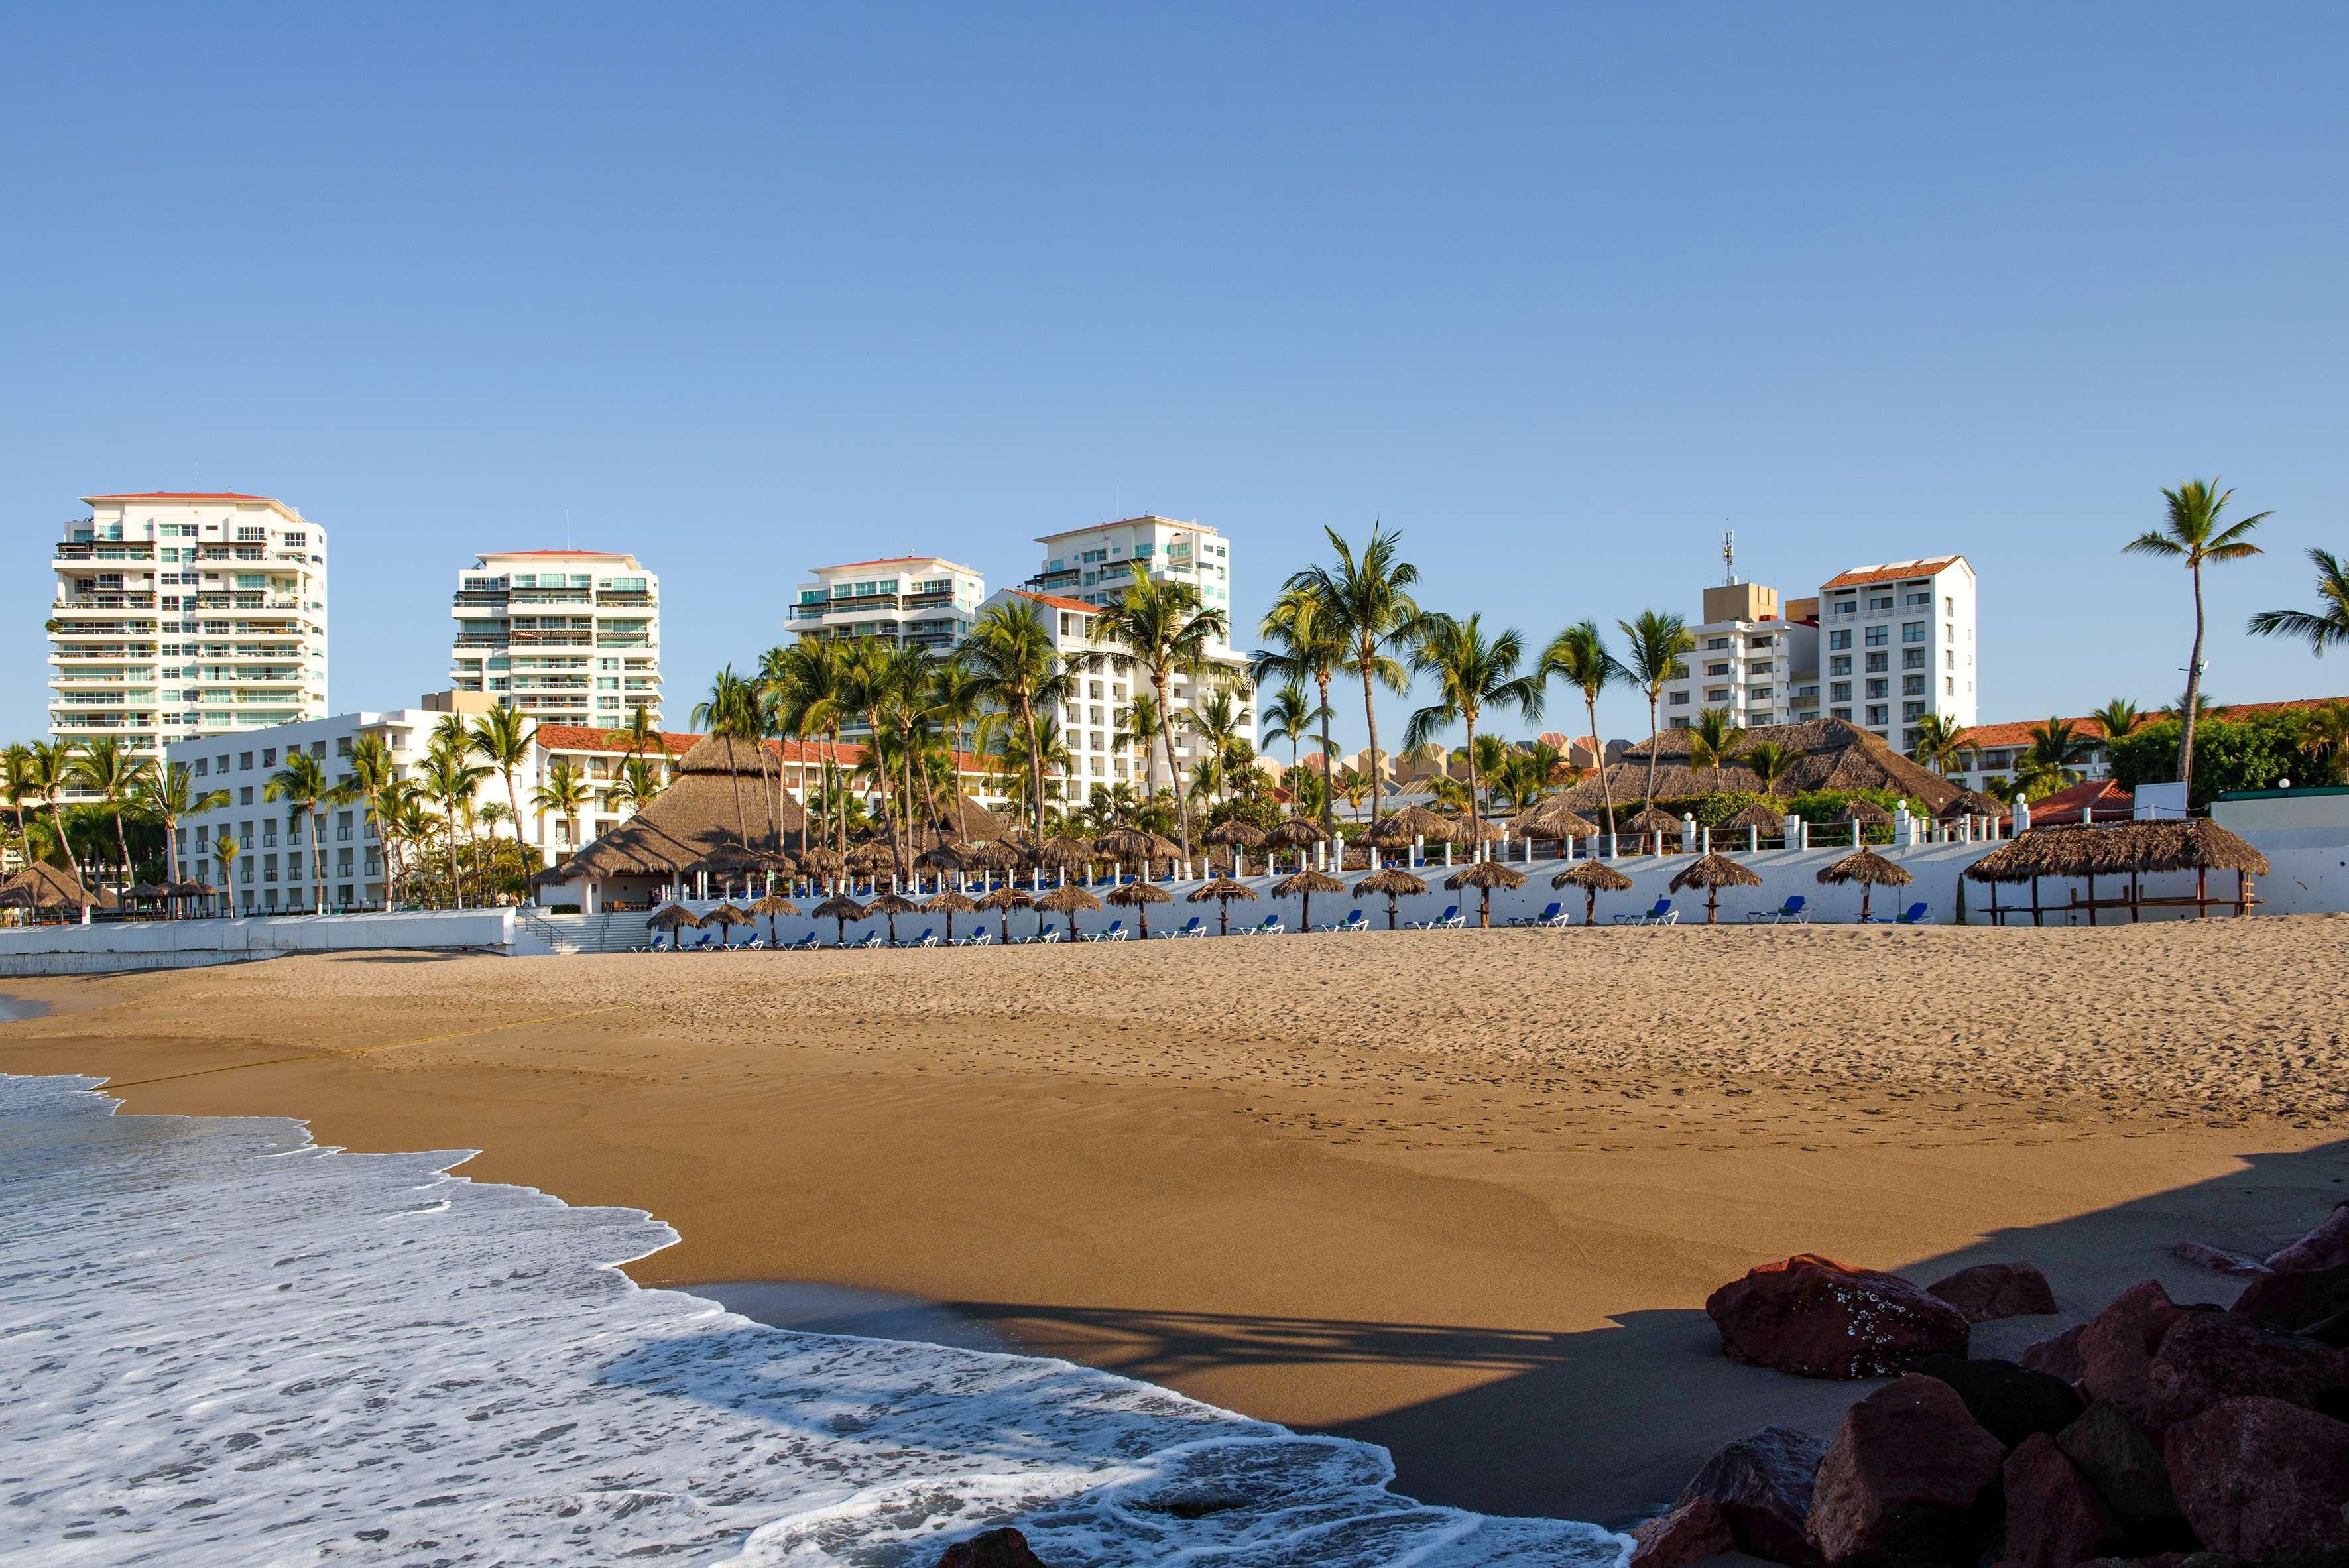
1729 561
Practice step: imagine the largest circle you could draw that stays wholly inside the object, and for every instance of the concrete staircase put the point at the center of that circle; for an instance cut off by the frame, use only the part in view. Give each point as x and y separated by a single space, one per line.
621 933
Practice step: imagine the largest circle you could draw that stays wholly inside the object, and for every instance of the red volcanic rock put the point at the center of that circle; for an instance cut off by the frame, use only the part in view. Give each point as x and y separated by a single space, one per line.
2260 1478
1689 1534
2208 1356
1818 1318
2124 1465
1988 1291
2326 1247
2117 1347
2054 1517
1909 1478
1002 1548
2059 1357
2009 1401
1762 1484
2297 1299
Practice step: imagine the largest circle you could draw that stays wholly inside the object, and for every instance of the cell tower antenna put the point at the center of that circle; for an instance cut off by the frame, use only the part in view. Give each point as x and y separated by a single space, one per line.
1729 560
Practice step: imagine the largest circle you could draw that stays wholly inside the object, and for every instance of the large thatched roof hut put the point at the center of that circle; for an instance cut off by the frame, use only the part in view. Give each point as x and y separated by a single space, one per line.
1829 754
712 807
2134 849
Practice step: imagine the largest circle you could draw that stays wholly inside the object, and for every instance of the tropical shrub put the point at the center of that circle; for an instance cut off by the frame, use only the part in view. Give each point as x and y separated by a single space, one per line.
2247 753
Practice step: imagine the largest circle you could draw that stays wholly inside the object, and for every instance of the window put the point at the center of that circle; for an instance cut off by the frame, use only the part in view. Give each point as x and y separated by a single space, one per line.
1879 688
244 796
1840 691
1716 669
1878 636
1912 686
1912 711
1845 607
1842 713
243 761
1680 699
1948 606
1948 686
201 764
269 756
1715 642
1916 599
1912 658
1716 693
1878 663
223 764
1840 665
1915 630
1880 602
1877 715
1839 639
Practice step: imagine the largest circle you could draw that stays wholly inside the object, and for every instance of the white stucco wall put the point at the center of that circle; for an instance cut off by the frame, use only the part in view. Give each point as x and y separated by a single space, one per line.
113 947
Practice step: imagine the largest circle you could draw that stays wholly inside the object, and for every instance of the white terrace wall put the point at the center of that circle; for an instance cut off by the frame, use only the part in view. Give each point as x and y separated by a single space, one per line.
110 947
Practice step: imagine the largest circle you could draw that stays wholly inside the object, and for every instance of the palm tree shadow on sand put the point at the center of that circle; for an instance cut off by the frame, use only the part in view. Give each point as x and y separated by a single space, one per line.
1606 1424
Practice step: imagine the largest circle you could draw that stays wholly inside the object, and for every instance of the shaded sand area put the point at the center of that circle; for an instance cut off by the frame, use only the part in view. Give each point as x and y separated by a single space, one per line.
1459 1193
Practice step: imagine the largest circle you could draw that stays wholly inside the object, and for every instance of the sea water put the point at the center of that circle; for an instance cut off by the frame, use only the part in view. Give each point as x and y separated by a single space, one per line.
222 1344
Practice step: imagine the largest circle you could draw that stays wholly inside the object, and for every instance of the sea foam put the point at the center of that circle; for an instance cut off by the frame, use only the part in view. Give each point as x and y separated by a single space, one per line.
222 1344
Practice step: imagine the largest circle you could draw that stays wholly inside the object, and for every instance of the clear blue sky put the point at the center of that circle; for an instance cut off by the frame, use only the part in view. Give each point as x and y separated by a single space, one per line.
1560 295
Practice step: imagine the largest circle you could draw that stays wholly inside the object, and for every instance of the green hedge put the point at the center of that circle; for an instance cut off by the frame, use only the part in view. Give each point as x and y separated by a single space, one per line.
2247 753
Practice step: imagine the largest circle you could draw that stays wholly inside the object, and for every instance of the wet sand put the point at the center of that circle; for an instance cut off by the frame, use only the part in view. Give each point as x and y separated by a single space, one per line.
1461 1194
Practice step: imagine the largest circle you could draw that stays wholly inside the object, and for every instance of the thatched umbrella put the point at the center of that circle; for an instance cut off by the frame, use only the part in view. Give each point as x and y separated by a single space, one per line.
1394 881
1554 820
1233 835
671 917
192 889
893 904
1593 877
773 904
1062 851
1654 822
1870 871
148 892
1304 885
1132 845
871 855
1757 815
1971 803
1295 833
1484 876
1007 899
1713 872
842 909
726 916
1862 815
1223 890
822 863
1138 896
946 855
949 903
1067 899
992 855
1401 827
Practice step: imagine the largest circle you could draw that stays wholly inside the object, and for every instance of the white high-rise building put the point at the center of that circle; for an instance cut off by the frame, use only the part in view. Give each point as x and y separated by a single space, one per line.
1753 659
181 614
1898 641
568 636
1088 568
919 600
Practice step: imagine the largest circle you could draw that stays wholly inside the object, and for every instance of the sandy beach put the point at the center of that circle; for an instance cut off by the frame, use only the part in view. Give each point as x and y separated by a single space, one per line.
1459 1193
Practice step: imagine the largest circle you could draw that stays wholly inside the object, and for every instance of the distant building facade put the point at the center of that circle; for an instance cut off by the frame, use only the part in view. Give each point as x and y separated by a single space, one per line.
566 636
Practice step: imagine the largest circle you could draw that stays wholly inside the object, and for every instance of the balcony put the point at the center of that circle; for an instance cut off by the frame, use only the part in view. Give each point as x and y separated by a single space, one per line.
106 602
616 600
1045 582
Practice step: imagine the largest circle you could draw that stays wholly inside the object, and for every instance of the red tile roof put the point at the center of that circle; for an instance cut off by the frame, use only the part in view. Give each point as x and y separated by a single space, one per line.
1892 571
1995 737
581 738
2110 801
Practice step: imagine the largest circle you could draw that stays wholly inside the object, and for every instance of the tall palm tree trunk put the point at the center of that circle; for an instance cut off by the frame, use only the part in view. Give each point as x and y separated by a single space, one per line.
1654 736
1328 770
2193 696
455 883
513 804
1371 714
734 777
318 857
122 843
1166 733
1606 786
57 820
1475 821
1035 767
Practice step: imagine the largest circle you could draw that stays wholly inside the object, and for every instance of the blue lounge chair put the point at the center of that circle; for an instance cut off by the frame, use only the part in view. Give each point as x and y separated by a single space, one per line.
804 944
1553 914
1116 932
1791 910
1196 928
978 938
870 939
1268 927
1662 915
1915 915
1450 917
927 939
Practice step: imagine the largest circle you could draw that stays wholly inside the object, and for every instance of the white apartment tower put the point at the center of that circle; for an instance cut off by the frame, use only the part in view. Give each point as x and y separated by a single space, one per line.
179 613
1753 659
1088 568
920 600
567 636
1899 643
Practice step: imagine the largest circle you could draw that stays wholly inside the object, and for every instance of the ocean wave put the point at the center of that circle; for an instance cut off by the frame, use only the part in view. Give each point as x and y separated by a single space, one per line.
225 1345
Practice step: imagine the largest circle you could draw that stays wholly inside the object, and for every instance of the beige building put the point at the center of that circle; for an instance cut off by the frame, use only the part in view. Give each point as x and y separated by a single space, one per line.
183 614
567 636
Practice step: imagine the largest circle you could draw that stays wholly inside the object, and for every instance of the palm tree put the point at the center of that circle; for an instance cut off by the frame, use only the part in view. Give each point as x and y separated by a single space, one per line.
1218 721
809 693
636 786
2192 533
224 849
502 738
1580 654
907 692
170 795
2119 717
1471 672
1137 730
730 714
407 824
1941 745
1654 642
448 781
565 794
1716 741
52 770
2056 749
1768 763
1010 652
1351 787
2326 739
17 785
111 773
374 776
1312 647
640 734
302 784
1288 717
2330 625
1160 626
1367 602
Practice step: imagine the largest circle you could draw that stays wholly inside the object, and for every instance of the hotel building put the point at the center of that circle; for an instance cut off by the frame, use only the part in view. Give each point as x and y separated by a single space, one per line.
567 636
1751 659
179 614
923 600
272 868
1088 568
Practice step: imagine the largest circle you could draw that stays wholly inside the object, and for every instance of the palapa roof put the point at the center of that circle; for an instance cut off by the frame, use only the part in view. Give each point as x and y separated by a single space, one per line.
839 907
1652 820
1716 870
949 902
691 821
670 916
774 904
1067 899
44 886
1553 818
147 890
1060 849
1393 881
1296 833
966 818
1134 844
1971 803
1865 811
1867 866
730 914
1593 874
1227 889
893 903
1133 893
1758 814
1829 754
1485 874
1008 898
1235 830
1407 824
1307 881
2197 843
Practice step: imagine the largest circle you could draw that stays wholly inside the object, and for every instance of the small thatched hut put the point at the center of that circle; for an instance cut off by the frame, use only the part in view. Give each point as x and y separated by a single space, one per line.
1484 876
2132 850
1870 871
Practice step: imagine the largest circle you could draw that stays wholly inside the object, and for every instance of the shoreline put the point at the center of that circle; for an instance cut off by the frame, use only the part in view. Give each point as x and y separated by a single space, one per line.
1490 1261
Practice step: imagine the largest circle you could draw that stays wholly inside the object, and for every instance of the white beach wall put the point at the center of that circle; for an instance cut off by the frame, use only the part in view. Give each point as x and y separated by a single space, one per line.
113 947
